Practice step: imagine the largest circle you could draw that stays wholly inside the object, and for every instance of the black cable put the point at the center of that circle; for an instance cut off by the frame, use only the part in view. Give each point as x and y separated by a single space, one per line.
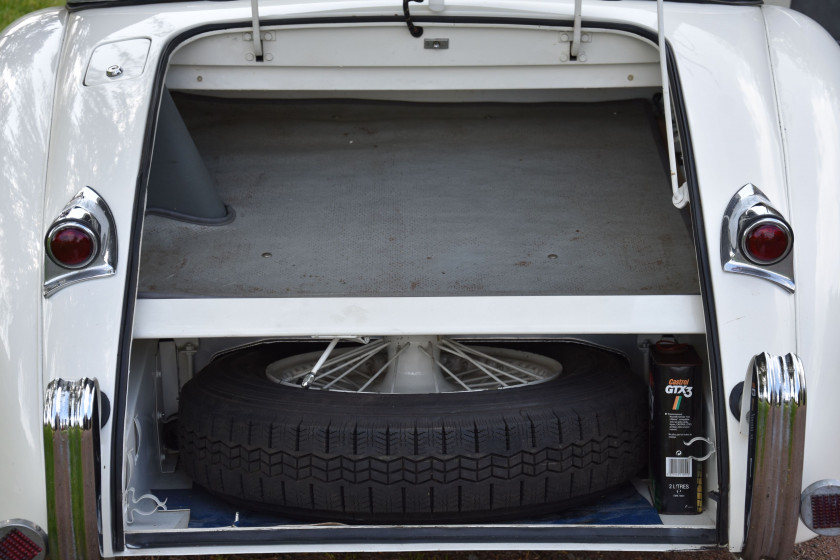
413 29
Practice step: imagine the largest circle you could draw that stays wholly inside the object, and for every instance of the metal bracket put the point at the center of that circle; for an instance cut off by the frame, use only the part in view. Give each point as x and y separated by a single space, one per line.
255 23
707 441
576 31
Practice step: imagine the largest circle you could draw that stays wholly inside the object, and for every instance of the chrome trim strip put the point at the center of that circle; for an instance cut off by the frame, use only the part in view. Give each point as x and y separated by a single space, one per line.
88 210
71 452
747 209
777 418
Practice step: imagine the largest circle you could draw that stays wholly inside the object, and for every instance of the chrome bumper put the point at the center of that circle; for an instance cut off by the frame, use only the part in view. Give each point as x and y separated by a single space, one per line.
777 439
71 453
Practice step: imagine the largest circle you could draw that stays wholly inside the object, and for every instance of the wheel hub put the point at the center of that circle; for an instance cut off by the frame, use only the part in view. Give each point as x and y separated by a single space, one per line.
413 365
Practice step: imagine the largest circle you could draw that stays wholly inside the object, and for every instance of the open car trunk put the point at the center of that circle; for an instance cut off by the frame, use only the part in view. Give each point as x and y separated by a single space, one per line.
362 198
513 206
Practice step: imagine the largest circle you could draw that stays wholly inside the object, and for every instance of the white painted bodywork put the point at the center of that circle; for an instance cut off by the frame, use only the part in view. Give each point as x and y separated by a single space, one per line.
762 94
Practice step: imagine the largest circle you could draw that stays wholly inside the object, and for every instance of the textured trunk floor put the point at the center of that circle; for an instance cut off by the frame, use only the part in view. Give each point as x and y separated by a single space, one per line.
382 199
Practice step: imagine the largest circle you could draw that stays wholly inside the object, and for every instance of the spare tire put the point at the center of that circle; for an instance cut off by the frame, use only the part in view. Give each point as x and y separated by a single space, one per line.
429 458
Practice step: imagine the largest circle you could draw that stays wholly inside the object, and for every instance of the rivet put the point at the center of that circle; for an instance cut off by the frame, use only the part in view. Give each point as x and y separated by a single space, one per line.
266 255
114 71
249 56
582 57
199 79
564 38
268 57
552 256
269 36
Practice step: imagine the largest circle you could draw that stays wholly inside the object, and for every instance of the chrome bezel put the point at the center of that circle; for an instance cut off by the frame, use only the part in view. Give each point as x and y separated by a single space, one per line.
750 206
58 228
87 211
818 488
763 222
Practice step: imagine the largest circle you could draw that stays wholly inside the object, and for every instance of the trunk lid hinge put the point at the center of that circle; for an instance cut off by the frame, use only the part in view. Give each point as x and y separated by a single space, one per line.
575 51
255 19
679 192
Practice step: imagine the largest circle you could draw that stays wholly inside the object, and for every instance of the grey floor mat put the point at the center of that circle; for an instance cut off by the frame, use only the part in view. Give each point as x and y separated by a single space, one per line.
378 199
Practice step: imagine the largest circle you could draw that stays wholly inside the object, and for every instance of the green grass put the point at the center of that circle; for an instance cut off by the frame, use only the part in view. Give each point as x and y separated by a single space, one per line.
10 10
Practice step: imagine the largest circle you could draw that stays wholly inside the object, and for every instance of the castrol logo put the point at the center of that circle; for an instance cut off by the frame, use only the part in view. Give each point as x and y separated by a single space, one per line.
679 387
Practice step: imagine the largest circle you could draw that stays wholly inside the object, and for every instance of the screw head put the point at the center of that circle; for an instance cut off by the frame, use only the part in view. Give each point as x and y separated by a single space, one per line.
113 71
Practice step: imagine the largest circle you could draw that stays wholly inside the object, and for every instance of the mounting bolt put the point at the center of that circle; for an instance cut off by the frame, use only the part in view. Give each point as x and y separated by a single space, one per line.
249 56
268 57
582 57
564 38
269 36
114 71
586 38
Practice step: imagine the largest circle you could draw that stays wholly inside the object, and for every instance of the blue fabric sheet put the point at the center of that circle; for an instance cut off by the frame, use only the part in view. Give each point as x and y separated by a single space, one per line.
624 506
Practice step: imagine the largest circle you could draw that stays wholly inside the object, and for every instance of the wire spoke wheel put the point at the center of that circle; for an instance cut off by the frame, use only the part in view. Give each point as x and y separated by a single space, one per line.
414 364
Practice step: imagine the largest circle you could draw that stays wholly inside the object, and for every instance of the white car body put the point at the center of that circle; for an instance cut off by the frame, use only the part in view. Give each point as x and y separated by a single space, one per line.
760 91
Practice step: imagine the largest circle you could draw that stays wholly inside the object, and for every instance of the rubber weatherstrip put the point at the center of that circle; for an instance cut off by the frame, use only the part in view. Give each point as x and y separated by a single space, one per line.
685 536
532 534
704 266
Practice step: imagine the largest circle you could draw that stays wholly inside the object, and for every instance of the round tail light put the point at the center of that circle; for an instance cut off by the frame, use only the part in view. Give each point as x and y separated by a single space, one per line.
767 241
72 245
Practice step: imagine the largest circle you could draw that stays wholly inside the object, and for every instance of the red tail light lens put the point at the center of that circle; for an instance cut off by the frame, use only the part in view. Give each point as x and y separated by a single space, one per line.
72 246
16 546
767 242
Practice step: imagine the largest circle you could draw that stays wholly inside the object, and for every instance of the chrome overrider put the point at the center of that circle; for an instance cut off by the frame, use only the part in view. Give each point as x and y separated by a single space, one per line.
71 444
775 401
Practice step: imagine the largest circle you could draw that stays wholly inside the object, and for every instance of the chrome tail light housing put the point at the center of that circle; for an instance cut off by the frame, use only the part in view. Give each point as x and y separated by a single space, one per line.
81 243
756 239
